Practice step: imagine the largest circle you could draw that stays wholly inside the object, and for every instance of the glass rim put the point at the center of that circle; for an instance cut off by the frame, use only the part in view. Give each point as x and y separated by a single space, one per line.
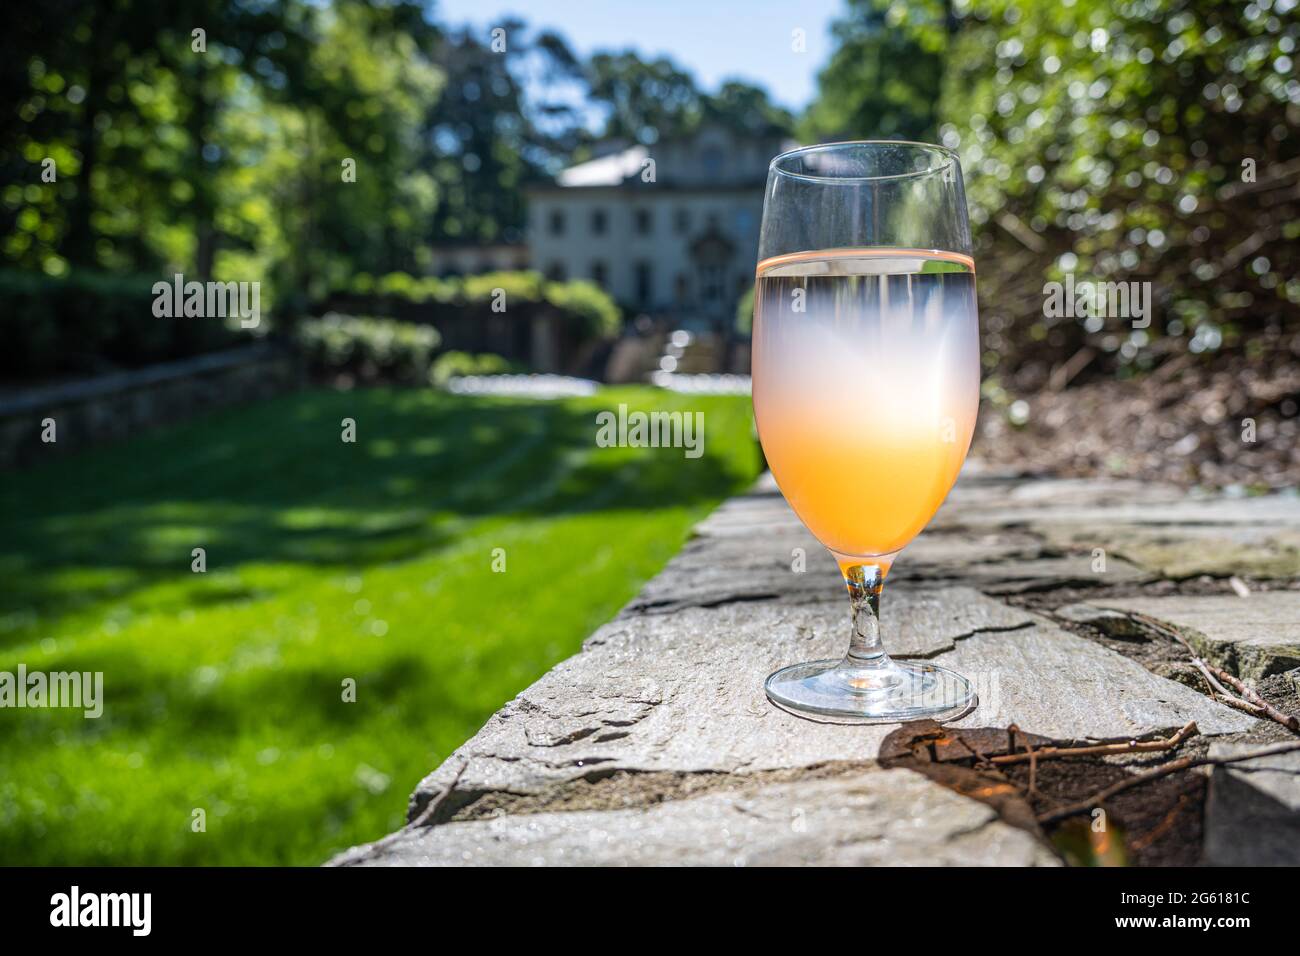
950 157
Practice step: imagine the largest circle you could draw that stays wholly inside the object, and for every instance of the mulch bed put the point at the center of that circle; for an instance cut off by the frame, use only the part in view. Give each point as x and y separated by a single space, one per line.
1188 422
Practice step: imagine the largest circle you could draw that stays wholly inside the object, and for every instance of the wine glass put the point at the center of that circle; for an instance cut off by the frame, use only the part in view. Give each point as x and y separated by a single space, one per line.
866 384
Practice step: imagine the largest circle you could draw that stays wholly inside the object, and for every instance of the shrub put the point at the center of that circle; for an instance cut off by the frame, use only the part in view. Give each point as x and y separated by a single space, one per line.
452 364
745 312
588 303
373 349
584 305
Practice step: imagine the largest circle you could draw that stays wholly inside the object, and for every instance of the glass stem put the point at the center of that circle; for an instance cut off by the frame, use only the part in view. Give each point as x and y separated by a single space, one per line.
865 582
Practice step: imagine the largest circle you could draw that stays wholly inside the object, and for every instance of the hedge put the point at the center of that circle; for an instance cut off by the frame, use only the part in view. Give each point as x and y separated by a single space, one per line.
450 365
372 349
594 313
87 320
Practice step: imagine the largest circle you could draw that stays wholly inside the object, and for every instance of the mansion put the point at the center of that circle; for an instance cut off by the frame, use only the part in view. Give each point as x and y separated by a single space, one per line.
669 230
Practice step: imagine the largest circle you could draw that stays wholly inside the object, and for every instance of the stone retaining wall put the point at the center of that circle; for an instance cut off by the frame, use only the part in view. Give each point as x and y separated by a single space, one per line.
113 406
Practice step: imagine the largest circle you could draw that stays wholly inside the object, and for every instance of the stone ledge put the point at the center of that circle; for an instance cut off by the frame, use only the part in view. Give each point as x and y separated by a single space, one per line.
872 817
656 743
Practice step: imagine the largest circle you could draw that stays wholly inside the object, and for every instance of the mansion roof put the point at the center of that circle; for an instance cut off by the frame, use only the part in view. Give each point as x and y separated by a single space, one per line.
713 158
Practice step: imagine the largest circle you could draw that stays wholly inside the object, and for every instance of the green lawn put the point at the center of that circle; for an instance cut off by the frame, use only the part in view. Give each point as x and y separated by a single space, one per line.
326 561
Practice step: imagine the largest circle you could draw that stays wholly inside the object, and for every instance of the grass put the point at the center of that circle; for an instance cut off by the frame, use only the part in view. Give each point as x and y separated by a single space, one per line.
326 561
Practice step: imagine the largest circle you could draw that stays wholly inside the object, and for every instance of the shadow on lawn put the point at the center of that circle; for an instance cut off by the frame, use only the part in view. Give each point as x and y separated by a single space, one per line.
229 703
274 483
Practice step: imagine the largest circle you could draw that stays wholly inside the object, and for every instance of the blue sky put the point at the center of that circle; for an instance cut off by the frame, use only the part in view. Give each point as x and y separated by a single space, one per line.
714 39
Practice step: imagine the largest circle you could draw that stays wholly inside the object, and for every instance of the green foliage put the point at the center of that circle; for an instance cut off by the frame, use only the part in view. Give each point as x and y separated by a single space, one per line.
310 140
449 365
487 138
326 561
599 315
580 302
370 348
1149 141
77 322
745 312
882 81
646 101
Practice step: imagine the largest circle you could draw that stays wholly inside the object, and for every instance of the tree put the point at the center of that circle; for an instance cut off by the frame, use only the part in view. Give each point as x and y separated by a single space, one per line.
1116 143
486 137
883 80
644 101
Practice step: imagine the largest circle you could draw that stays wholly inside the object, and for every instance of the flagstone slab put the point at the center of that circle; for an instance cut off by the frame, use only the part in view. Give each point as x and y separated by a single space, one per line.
1188 549
1160 528
1251 637
1252 817
753 548
683 693
1016 576
714 570
874 817
1115 623
792 566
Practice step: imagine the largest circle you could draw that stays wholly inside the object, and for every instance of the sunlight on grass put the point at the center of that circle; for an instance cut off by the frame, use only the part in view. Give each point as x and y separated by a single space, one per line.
326 561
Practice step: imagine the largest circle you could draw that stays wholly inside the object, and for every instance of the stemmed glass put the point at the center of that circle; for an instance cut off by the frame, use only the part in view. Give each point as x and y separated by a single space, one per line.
866 385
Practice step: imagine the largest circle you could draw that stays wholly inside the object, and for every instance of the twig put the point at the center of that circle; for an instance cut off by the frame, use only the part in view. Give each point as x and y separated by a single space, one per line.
1252 697
1236 703
1161 828
1022 233
1131 746
1165 629
1183 763
1064 373
1221 693
1033 769
1210 679
1274 177
1211 672
1247 247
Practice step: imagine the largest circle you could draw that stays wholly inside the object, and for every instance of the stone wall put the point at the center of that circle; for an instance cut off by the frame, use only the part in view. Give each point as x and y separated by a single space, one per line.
110 407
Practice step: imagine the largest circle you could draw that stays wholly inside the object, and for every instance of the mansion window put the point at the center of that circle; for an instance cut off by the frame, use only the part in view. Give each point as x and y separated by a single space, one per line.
683 221
643 281
712 279
599 272
599 222
557 222
712 160
555 272
644 223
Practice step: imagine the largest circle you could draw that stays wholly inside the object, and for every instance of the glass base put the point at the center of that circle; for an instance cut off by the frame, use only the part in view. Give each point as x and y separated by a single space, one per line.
849 691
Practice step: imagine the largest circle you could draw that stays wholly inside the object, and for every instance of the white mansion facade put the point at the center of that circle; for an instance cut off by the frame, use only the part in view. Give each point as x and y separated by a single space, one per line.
670 229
